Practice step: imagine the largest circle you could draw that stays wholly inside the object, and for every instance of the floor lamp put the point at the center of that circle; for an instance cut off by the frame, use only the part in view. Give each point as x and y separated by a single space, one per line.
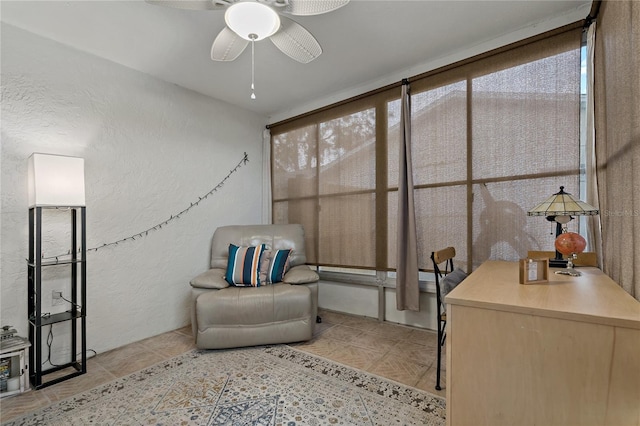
56 182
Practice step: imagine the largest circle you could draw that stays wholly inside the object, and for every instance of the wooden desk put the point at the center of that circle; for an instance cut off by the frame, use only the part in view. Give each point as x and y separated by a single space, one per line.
562 353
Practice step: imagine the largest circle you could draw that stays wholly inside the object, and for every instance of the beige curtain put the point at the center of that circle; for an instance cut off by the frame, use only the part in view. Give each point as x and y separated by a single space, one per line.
407 285
266 176
617 124
594 236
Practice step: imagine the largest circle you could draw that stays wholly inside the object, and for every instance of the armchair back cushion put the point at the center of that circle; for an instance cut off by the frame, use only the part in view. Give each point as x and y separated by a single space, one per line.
289 236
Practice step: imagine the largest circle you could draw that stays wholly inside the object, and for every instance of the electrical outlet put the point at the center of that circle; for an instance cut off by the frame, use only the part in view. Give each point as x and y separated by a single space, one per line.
56 298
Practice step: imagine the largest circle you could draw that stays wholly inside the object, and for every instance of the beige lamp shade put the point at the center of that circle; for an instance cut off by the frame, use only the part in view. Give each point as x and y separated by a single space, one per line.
563 204
55 180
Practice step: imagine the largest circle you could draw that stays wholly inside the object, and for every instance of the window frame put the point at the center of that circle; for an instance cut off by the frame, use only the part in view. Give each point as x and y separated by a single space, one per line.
379 99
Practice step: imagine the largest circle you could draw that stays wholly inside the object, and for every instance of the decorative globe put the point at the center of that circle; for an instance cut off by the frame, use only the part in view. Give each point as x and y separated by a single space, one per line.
569 243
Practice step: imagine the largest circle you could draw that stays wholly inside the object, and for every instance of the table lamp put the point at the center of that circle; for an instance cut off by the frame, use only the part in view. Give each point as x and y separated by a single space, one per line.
560 208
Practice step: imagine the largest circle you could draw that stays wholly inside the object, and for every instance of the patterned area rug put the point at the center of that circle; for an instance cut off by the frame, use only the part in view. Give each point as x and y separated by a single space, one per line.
269 385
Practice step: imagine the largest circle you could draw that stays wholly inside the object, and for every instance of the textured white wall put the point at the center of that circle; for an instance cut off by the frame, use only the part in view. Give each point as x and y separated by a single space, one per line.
150 149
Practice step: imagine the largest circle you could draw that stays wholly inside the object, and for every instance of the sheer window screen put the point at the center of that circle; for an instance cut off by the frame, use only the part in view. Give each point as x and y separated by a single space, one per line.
347 183
295 182
490 139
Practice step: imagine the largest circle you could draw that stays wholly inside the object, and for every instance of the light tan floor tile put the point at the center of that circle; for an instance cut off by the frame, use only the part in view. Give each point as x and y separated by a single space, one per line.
321 347
185 330
428 382
332 317
400 369
80 383
17 405
321 328
169 344
341 332
392 331
370 340
128 359
414 352
365 324
356 356
423 337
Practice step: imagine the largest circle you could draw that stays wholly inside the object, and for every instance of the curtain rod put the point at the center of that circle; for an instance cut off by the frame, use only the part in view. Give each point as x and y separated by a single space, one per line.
337 104
516 44
593 13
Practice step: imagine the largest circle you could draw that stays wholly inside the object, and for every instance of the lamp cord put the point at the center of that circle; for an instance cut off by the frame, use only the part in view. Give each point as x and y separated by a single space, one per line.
75 305
50 342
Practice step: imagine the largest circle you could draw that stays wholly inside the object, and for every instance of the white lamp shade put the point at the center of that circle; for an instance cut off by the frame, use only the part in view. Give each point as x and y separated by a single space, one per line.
252 20
55 180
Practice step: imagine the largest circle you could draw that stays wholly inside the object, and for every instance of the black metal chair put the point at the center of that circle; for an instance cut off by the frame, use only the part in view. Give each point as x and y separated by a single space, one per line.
439 257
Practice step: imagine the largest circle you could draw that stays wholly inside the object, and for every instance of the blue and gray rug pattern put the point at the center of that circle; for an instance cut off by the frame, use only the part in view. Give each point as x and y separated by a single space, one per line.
269 385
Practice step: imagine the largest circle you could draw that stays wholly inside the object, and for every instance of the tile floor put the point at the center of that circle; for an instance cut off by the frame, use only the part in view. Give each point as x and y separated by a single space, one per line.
404 354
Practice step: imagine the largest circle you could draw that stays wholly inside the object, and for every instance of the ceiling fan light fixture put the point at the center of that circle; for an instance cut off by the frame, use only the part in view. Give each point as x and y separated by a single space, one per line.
252 20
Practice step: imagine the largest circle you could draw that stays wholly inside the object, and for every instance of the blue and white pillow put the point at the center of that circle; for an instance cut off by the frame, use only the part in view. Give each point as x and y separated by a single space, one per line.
243 265
274 265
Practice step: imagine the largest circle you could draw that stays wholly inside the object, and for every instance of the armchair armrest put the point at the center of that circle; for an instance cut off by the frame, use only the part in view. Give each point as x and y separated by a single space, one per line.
300 274
213 279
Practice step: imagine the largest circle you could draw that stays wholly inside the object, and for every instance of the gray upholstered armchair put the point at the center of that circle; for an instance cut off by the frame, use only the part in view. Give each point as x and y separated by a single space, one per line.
225 316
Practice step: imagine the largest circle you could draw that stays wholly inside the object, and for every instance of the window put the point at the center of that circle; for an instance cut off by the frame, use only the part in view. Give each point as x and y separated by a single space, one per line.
322 170
491 138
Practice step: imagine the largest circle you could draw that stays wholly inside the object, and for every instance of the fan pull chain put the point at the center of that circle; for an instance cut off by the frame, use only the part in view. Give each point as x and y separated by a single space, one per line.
253 66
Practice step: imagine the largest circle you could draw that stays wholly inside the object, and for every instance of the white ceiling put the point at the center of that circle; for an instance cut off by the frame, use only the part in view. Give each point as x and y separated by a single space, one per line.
366 44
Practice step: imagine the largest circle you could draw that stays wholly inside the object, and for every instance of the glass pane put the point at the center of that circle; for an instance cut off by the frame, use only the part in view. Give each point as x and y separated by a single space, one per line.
438 135
347 235
294 163
526 118
347 153
393 136
303 212
441 221
392 230
501 228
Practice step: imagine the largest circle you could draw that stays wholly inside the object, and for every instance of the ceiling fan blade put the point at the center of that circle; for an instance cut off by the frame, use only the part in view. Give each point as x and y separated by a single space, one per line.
296 42
190 4
227 46
313 7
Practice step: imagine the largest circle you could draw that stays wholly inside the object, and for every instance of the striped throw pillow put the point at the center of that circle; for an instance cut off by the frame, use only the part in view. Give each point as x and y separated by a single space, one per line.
243 265
274 265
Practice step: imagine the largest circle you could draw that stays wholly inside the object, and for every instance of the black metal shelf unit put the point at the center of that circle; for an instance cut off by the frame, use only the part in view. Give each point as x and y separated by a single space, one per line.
76 315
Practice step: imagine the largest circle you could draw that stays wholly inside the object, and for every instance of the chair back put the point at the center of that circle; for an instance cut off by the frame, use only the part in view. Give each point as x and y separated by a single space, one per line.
439 257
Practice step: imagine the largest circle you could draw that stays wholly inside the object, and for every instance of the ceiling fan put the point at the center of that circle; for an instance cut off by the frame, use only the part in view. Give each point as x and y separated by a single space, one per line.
254 20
